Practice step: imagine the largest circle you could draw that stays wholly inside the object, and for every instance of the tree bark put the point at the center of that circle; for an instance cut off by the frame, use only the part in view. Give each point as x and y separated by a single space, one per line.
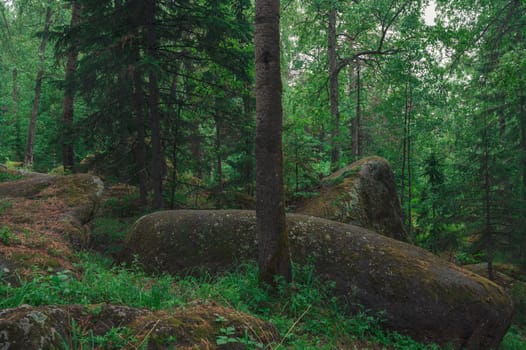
18 135
273 243
28 158
333 89
140 145
157 152
219 159
355 123
68 158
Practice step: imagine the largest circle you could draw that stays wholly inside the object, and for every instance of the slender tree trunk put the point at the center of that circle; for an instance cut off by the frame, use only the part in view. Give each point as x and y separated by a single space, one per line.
157 152
409 169
356 121
404 155
140 145
219 159
273 243
28 158
248 109
523 143
18 134
487 204
68 158
333 89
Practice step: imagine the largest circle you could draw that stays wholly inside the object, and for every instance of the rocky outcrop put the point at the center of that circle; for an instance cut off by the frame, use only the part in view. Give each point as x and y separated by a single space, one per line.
363 194
420 294
44 219
107 326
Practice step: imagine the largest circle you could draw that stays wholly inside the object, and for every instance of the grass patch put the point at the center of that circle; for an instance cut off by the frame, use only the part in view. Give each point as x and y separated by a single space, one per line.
304 312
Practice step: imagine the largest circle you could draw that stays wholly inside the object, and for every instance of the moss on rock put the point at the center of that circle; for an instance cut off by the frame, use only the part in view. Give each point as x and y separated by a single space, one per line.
193 327
421 295
364 194
49 217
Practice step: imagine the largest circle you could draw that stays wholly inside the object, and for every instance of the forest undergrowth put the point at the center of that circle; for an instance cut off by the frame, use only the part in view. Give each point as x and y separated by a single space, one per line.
305 313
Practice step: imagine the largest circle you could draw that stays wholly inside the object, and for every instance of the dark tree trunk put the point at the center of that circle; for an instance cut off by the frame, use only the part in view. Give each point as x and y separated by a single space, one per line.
333 89
18 134
248 108
273 243
174 116
140 145
219 159
355 123
523 143
487 183
157 152
31 132
409 107
68 158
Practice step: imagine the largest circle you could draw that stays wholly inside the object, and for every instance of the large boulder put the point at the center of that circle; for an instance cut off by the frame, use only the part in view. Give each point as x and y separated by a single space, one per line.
44 219
363 194
421 295
108 326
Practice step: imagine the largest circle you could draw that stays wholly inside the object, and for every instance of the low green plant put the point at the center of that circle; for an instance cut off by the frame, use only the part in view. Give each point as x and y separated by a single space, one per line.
114 338
6 177
126 206
107 234
7 236
5 204
305 313
514 340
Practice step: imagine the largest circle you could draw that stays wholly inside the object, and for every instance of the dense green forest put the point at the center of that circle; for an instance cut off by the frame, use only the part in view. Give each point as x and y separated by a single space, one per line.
162 97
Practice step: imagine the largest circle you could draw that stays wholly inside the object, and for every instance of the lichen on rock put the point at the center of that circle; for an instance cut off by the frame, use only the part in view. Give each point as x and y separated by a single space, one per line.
189 327
362 193
418 293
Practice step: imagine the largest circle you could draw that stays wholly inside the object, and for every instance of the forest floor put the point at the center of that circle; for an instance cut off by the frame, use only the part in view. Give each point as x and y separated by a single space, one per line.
306 317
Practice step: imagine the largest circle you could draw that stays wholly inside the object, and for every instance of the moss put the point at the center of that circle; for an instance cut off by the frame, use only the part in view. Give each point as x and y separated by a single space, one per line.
420 294
180 328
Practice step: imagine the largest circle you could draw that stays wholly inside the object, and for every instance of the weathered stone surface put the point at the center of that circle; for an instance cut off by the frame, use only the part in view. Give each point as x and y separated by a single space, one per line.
422 295
363 194
192 327
45 219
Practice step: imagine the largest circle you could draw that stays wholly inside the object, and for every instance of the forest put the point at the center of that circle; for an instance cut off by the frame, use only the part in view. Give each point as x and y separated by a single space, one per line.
159 97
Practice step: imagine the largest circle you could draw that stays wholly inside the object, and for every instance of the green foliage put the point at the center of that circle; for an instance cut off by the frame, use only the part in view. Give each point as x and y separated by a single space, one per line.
7 236
6 177
114 338
513 340
108 233
304 312
5 204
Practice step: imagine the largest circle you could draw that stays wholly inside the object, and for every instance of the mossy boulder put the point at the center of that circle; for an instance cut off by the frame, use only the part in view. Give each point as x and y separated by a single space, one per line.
108 326
418 293
363 194
44 218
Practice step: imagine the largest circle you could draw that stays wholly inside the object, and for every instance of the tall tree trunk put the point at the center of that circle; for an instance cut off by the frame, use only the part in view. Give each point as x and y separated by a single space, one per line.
356 121
488 232
219 159
523 143
248 173
155 119
409 169
273 243
18 134
28 158
68 158
333 89
140 144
